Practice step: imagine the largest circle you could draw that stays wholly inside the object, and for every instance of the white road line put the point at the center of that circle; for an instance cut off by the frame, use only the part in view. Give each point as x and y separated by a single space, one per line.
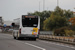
57 44
35 46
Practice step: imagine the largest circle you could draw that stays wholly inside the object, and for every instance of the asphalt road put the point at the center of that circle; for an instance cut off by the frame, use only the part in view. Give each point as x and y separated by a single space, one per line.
8 43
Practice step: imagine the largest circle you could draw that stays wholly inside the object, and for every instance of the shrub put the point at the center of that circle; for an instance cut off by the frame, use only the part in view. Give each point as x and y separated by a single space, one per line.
69 33
61 31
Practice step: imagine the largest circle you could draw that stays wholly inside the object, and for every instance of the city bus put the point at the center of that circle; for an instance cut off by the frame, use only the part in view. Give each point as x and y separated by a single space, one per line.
27 26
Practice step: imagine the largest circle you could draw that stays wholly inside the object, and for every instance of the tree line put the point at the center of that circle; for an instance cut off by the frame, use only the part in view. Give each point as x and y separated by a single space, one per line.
60 21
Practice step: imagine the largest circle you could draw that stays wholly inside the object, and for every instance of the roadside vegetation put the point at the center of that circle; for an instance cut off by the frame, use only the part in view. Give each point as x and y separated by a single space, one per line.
61 22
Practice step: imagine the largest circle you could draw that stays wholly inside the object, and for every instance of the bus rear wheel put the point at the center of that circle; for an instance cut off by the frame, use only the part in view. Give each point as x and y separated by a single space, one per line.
34 39
17 38
14 37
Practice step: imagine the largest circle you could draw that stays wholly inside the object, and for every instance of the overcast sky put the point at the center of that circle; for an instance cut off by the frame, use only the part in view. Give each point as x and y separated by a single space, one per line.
11 9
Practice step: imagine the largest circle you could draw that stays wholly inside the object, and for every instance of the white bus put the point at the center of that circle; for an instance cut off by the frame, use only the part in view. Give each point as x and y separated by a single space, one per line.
27 26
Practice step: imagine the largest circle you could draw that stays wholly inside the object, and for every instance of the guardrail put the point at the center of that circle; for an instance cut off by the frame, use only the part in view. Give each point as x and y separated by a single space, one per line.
58 38
46 33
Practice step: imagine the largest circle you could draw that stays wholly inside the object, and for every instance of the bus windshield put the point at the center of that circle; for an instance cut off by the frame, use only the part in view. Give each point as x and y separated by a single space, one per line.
29 22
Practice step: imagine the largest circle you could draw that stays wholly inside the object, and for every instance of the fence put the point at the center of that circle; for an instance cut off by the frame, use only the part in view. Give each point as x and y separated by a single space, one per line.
48 36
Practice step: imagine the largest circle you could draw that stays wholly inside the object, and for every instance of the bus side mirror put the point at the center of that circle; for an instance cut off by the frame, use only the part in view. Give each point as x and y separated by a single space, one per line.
13 24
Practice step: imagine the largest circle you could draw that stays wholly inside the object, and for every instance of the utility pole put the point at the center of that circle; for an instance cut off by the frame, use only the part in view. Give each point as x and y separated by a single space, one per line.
47 8
74 8
43 5
57 2
39 6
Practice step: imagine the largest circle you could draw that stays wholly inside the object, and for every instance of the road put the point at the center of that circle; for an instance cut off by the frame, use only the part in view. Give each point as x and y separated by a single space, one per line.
8 43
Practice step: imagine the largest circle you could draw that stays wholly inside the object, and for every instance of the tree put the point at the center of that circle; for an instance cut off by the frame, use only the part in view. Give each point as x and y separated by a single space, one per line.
58 11
57 19
68 14
72 20
63 13
54 22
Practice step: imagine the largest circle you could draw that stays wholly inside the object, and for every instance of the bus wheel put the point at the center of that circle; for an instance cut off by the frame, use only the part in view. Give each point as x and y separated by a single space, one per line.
17 38
34 39
14 37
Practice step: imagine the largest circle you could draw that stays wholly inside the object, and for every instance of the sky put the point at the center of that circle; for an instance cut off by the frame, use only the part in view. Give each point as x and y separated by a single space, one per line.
12 9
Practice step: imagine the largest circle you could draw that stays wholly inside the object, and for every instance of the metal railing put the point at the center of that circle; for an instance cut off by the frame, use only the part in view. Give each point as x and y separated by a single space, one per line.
46 32
48 36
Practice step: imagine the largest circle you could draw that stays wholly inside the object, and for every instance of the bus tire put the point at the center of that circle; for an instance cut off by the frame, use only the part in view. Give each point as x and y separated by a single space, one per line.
14 37
17 38
34 39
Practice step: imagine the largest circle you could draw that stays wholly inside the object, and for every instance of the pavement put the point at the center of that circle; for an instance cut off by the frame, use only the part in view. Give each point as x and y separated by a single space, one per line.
8 43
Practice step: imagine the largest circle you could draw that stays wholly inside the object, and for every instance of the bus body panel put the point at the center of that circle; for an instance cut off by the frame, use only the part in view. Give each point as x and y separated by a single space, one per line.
26 31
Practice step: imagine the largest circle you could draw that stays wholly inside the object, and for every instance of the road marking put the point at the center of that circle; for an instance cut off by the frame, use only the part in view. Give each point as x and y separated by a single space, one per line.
57 44
35 46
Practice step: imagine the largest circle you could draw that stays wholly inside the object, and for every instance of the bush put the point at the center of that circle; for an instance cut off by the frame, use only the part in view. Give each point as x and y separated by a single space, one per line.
61 31
69 33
